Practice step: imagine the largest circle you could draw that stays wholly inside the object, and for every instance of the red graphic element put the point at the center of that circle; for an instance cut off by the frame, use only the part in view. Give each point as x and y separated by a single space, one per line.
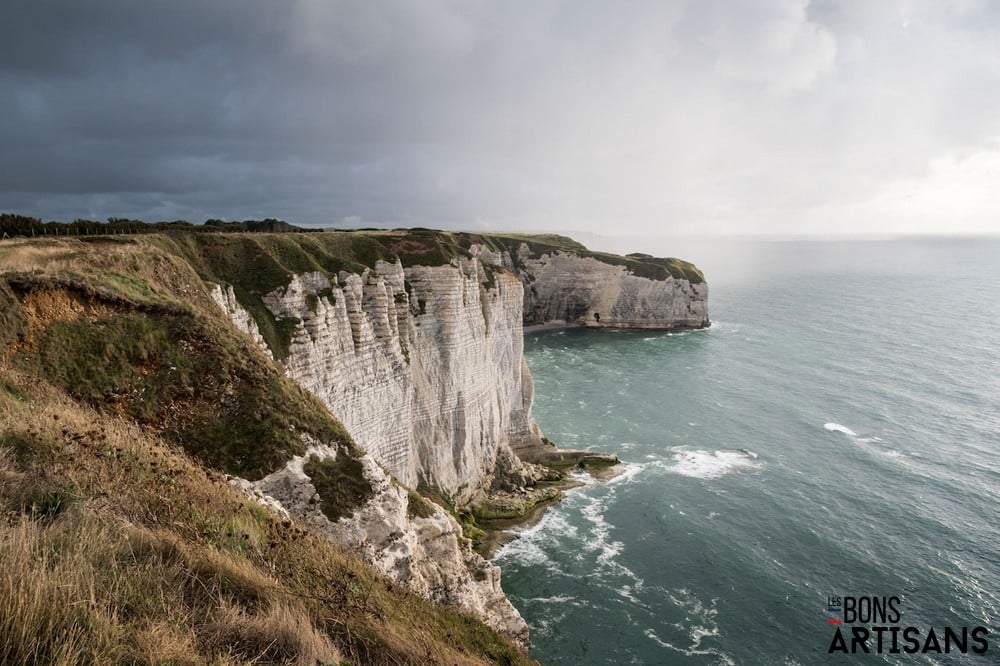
833 620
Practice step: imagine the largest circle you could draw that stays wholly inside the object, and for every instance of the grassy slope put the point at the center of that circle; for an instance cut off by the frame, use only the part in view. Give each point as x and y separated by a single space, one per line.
123 398
184 373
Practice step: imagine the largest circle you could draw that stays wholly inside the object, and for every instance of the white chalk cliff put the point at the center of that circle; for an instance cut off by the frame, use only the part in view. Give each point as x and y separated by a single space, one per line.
424 367
424 550
563 286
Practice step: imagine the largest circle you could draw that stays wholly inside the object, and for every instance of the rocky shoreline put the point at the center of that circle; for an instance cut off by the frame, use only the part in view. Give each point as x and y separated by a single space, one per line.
505 515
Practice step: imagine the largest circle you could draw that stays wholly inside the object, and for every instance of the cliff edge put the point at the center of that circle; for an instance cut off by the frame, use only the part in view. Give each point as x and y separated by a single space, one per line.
171 494
412 339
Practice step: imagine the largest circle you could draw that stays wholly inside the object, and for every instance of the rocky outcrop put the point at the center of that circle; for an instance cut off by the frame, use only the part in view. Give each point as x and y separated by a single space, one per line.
563 286
226 299
409 539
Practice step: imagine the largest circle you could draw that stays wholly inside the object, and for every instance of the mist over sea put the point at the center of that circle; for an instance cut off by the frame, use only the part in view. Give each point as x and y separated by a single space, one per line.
835 432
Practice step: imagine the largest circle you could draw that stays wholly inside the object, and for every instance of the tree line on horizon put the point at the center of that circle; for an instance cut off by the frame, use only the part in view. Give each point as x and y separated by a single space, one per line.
15 225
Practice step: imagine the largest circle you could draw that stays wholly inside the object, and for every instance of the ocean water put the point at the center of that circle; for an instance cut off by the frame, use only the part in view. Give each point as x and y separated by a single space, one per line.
836 432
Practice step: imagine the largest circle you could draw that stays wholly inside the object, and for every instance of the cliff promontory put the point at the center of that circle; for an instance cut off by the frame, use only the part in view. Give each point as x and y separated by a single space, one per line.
418 348
411 339
565 282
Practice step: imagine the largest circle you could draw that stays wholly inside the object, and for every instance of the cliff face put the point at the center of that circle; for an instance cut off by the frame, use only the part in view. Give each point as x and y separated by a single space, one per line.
424 367
562 286
119 378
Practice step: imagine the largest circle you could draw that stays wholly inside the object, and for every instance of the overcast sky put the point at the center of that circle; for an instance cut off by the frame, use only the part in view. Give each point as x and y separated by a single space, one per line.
616 117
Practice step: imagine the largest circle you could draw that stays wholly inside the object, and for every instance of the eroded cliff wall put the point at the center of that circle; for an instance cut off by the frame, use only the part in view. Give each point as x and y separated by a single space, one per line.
406 537
424 367
562 286
424 364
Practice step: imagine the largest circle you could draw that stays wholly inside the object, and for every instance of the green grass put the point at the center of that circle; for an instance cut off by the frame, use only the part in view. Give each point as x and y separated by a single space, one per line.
129 287
340 482
129 356
555 241
417 506
422 247
191 378
47 505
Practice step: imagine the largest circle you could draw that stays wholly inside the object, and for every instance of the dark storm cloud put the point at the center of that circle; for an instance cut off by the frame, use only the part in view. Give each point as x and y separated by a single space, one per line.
777 115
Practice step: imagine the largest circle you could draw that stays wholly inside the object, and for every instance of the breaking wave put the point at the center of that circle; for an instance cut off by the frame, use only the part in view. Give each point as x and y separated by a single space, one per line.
701 464
869 443
836 427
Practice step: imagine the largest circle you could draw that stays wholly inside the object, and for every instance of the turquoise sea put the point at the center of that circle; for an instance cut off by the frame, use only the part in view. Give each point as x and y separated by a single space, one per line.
835 433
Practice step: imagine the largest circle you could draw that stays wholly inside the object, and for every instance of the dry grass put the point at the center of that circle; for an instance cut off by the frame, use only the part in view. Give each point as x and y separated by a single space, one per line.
116 547
42 619
121 540
77 591
80 588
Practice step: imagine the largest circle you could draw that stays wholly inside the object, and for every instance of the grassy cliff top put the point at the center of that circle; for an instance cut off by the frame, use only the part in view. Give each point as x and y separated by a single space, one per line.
641 265
125 399
138 267
129 329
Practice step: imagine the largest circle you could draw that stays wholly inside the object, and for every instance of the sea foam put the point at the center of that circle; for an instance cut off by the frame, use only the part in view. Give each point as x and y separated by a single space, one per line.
702 464
699 624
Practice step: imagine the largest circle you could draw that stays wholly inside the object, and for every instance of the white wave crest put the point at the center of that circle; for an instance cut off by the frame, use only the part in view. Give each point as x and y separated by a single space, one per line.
699 621
583 478
702 464
870 444
531 545
628 474
836 427
560 599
